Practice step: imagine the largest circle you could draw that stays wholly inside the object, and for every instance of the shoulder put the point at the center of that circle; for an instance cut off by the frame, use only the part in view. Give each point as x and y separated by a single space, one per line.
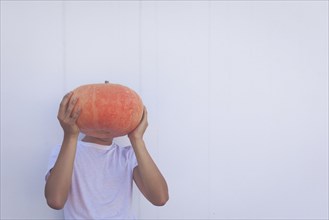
127 156
126 151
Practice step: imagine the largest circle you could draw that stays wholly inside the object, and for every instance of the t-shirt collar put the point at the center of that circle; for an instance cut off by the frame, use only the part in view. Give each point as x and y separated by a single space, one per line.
97 146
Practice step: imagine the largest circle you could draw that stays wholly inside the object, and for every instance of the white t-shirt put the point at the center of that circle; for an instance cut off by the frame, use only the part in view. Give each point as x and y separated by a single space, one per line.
102 181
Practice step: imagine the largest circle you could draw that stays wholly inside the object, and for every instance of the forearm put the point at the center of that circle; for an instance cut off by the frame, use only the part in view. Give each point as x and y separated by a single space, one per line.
154 184
59 181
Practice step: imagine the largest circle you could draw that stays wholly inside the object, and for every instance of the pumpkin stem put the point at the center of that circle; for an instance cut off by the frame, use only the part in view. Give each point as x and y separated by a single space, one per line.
106 81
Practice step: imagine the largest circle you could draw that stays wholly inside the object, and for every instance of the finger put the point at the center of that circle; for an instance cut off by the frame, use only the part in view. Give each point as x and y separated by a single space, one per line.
75 114
63 104
144 117
71 106
145 112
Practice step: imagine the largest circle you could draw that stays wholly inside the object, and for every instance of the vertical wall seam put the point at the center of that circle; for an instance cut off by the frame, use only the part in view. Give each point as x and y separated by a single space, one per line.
140 46
208 109
64 46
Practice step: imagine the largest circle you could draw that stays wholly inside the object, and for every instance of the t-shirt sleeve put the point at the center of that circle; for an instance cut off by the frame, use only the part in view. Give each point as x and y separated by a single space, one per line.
52 159
132 158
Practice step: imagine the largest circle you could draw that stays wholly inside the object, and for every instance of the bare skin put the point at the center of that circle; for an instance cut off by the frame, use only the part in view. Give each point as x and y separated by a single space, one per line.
146 175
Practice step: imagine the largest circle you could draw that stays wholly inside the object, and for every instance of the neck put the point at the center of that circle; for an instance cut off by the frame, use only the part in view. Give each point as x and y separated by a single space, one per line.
95 140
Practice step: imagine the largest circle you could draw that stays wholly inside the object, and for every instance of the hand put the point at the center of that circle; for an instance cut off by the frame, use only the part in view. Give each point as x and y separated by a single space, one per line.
139 131
68 115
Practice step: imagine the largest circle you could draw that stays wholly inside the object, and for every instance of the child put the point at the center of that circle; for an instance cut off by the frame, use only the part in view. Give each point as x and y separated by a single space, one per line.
92 178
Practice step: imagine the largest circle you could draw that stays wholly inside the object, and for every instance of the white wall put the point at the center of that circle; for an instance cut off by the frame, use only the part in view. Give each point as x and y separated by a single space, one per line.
237 94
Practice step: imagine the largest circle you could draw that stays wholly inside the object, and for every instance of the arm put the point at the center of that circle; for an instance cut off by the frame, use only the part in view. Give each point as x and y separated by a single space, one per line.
59 181
147 176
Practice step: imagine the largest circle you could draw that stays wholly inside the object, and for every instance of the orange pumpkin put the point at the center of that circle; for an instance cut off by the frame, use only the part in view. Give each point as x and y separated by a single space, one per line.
108 110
